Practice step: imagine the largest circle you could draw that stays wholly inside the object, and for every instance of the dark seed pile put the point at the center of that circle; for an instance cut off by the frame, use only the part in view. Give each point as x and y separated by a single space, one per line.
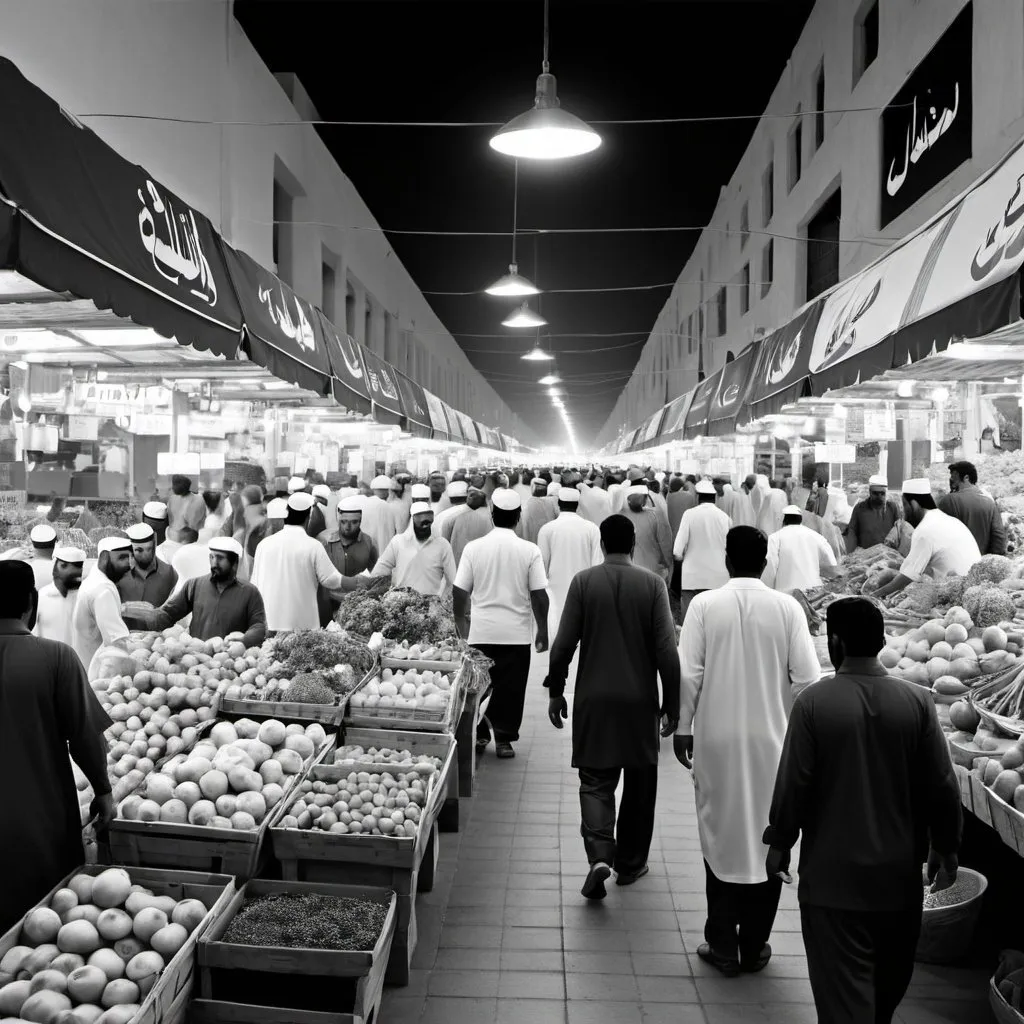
308 922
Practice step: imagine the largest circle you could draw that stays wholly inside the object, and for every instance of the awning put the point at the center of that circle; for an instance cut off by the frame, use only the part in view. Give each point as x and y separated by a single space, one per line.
438 420
675 416
780 373
700 406
732 391
382 379
90 223
351 388
414 404
283 332
650 429
455 425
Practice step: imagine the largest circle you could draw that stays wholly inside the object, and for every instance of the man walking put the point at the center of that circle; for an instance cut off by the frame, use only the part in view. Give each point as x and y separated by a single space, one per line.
743 650
474 524
502 577
977 511
537 511
866 778
700 547
797 556
653 540
619 616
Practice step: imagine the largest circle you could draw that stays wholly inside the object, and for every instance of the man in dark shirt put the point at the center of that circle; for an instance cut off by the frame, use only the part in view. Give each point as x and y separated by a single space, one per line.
619 616
220 604
872 520
866 778
150 579
977 511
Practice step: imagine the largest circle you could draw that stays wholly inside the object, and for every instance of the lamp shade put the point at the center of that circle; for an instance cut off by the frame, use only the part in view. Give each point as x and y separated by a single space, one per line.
551 378
511 284
537 354
547 132
523 316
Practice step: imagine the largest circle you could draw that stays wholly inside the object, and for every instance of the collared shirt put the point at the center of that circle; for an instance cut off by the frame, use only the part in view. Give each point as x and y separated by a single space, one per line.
500 571
287 570
796 556
865 776
217 609
941 545
97 618
980 514
55 615
869 526
427 566
700 546
42 569
352 559
154 585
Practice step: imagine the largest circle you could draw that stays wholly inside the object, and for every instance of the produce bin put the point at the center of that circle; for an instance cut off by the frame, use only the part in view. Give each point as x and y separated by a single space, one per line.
420 719
405 865
166 1002
233 975
963 777
947 932
1006 820
979 798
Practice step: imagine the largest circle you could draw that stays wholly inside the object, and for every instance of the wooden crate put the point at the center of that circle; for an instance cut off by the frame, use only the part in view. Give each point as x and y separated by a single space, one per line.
979 795
292 711
1006 820
421 719
963 777
166 1002
355 979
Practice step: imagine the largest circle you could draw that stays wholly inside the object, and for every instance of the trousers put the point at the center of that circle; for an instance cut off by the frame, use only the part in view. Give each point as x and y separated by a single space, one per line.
626 843
859 962
509 675
740 917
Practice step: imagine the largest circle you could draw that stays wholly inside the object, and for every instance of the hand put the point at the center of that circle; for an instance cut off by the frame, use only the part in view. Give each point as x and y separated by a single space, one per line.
941 870
776 862
683 748
102 809
462 628
542 641
669 725
557 711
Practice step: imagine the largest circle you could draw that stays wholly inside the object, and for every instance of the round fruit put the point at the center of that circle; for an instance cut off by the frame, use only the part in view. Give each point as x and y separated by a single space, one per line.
83 912
148 922
81 886
144 969
16 955
79 937
128 947
12 996
113 925
111 888
86 985
108 961
41 925
964 716
43 1007
167 942
63 900
39 959
66 963
189 913
119 992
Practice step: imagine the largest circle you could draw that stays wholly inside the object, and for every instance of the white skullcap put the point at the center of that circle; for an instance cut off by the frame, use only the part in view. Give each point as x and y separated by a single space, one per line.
569 495
322 491
792 510
705 487
420 508
420 492
154 510
277 508
553 488
920 485
43 534
113 544
69 555
300 501
877 481
381 483
640 490
353 503
227 545
506 499
140 532
458 489
296 484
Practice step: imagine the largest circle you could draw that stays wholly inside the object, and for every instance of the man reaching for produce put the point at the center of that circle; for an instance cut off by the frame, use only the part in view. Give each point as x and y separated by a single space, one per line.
619 616
219 602
419 560
797 556
149 579
941 545
872 520
97 620
866 778
47 710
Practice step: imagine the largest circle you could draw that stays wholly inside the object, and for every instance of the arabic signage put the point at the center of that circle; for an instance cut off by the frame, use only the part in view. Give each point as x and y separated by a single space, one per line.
454 423
350 385
467 428
435 409
700 407
926 129
675 414
732 391
414 401
783 360
382 379
104 228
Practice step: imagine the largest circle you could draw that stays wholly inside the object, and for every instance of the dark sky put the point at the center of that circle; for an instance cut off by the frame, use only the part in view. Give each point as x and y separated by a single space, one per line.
477 60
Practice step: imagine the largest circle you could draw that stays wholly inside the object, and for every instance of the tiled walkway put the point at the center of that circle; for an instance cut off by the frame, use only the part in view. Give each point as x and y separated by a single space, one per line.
506 938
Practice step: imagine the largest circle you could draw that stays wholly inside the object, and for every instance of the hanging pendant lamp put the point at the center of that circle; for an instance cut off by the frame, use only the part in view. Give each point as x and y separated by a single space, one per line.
537 354
513 283
523 316
551 378
546 132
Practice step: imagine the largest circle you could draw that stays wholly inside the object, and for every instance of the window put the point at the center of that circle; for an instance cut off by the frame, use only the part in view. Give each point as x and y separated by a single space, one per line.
745 289
796 147
691 340
328 290
720 312
281 232
744 223
767 267
823 246
865 38
768 192
819 106
368 338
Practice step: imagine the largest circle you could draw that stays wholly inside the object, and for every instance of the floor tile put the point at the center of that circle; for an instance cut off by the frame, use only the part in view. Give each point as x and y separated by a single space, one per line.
589 1012
529 1011
605 987
532 985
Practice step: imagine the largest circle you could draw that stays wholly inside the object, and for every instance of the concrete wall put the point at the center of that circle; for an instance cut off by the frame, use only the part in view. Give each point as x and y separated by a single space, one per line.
850 157
190 59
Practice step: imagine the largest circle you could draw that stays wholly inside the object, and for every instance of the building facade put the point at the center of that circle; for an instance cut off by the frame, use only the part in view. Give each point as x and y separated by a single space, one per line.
271 189
886 111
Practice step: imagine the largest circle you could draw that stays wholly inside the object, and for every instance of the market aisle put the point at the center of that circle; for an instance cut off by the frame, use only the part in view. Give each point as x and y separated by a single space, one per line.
506 938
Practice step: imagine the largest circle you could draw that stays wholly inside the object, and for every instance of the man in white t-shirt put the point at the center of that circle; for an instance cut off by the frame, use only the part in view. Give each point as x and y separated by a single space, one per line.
502 577
797 556
700 547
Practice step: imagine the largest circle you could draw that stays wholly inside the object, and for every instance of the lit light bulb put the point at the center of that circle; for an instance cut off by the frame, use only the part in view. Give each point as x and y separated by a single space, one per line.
523 316
512 284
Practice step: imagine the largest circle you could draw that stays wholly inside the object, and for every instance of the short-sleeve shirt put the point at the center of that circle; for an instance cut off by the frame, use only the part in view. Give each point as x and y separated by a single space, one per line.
499 571
941 545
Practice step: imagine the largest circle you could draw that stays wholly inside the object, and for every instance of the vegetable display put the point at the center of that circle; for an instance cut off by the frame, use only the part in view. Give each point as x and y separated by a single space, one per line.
310 921
399 614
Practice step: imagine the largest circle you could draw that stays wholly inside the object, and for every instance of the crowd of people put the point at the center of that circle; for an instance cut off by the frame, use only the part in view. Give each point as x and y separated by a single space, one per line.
588 561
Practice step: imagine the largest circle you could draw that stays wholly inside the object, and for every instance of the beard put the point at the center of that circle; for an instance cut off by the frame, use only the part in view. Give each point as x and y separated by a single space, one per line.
422 532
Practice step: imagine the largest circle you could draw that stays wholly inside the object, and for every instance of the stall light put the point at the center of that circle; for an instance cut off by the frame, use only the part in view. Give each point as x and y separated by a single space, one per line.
905 389
555 392
551 378
537 354
512 284
940 395
523 316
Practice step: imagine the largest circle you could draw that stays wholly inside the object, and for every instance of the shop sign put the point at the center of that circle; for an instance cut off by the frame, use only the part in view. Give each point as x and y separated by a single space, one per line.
880 424
148 424
383 382
835 453
435 408
675 414
783 358
700 406
926 129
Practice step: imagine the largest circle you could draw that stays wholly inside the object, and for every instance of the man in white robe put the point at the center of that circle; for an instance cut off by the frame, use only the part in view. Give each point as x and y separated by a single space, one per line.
798 556
700 547
378 518
458 491
769 514
536 512
595 502
568 545
745 652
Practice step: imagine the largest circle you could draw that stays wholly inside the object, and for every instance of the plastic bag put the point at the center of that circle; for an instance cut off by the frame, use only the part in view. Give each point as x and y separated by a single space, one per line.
108 662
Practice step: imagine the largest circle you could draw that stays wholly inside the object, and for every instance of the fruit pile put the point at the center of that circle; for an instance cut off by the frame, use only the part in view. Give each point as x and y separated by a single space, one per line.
1004 774
94 953
383 755
382 805
405 689
446 650
230 779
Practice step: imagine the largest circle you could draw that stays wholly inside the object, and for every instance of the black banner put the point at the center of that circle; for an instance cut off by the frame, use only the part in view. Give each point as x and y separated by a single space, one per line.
926 130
